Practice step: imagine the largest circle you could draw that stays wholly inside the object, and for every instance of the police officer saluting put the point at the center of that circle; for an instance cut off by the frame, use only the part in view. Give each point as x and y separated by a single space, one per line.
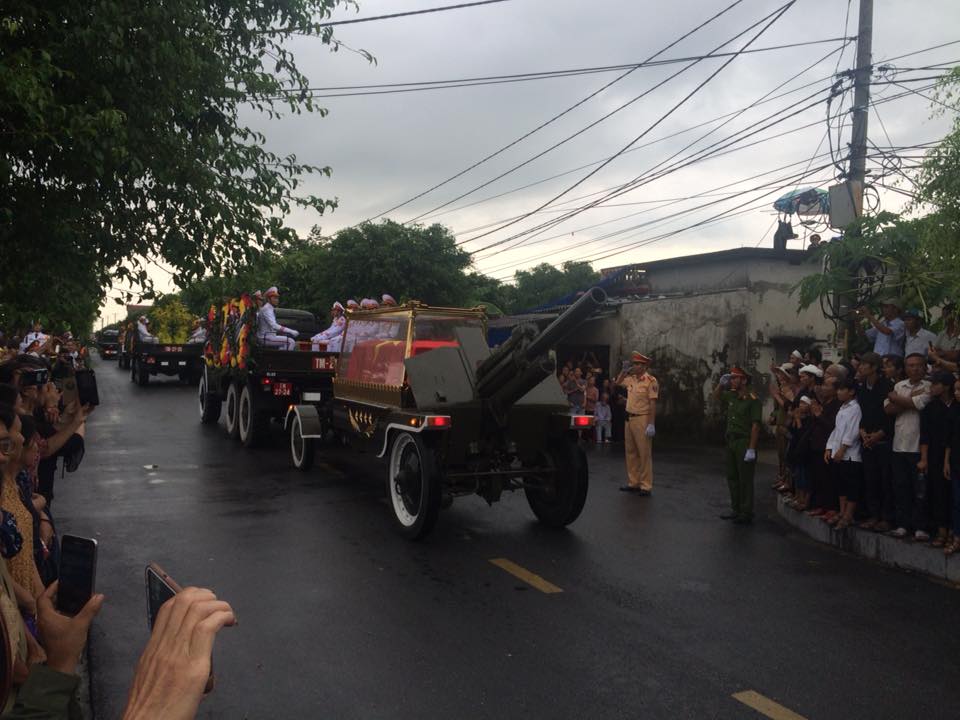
744 415
642 393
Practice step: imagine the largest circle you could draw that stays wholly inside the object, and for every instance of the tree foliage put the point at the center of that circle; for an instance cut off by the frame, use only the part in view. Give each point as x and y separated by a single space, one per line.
545 283
122 142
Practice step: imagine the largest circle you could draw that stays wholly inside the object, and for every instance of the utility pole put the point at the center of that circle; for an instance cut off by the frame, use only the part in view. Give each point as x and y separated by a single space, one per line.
857 172
861 98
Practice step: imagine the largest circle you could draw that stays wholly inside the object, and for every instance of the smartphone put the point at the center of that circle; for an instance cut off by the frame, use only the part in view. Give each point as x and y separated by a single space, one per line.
78 570
87 392
160 588
33 376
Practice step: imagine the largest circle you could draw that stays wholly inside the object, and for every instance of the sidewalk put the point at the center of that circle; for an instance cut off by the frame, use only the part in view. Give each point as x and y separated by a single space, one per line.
904 554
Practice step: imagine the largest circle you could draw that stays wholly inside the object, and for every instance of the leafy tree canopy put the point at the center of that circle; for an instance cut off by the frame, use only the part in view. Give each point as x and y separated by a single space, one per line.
545 283
121 143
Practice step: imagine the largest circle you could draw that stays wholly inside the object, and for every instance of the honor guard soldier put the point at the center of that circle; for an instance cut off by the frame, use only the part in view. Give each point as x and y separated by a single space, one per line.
270 333
143 330
331 337
744 415
387 300
639 426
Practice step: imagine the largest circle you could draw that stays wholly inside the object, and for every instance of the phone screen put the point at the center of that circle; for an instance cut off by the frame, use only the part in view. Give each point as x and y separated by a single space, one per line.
160 588
78 568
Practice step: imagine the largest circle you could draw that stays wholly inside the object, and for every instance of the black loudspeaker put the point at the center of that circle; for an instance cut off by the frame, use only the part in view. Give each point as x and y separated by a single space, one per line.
87 388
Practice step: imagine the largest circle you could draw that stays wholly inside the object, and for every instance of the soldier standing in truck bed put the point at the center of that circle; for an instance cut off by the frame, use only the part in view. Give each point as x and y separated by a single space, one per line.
638 428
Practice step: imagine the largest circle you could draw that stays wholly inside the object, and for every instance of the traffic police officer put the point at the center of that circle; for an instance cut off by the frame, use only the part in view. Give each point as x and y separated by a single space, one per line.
744 415
642 393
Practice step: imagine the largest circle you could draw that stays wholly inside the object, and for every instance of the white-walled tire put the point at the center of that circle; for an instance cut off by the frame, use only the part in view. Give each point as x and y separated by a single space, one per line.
302 449
413 486
210 403
251 426
233 411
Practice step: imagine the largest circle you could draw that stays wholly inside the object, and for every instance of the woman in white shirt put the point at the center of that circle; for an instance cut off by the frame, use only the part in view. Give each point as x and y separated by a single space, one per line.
843 452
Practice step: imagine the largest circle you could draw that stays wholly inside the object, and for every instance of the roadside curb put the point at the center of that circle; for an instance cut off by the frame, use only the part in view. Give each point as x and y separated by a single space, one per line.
889 551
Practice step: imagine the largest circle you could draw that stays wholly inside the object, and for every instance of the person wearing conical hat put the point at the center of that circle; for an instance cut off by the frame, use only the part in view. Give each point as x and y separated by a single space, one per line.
270 333
744 415
332 335
643 391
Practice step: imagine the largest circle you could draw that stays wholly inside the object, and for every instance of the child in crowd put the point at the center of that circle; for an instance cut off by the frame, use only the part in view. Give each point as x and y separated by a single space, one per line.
843 451
603 425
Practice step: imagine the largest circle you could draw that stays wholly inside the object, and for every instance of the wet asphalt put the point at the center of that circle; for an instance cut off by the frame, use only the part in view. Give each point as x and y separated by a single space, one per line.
665 610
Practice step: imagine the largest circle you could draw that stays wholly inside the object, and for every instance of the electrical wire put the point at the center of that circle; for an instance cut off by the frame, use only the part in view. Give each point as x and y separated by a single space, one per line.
773 18
552 119
391 16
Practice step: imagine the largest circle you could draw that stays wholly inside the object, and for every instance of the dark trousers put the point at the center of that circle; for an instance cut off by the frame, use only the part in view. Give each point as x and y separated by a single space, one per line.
938 491
955 478
740 477
822 487
909 492
878 482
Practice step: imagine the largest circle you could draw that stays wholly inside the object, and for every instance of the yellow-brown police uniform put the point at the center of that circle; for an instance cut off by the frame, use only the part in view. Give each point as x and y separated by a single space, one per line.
641 392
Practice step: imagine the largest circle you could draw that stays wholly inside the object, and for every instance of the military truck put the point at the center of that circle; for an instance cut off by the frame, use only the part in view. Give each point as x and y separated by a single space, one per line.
185 360
418 388
255 384
108 344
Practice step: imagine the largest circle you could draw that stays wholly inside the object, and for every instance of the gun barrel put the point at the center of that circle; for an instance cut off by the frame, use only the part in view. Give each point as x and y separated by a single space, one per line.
567 322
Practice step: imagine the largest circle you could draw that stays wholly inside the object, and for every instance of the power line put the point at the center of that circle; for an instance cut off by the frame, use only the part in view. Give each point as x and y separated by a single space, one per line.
335 91
552 119
776 15
391 16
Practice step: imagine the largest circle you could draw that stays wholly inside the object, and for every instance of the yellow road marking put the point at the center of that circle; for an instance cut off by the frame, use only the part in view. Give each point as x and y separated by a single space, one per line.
766 706
528 577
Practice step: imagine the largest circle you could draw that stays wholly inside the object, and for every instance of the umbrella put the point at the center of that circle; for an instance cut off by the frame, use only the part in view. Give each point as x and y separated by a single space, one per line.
809 201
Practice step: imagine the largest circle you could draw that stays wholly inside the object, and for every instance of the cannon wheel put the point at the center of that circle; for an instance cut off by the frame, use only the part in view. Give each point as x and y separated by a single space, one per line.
210 403
251 423
302 449
413 486
560 501
233 411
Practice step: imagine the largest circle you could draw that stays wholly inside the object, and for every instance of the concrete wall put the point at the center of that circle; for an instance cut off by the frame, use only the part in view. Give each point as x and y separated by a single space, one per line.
693 337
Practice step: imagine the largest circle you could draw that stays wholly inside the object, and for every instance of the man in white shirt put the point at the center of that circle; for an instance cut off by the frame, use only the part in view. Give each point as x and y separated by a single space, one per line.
906 401
143 330
332 335
917 338
843 451
270 333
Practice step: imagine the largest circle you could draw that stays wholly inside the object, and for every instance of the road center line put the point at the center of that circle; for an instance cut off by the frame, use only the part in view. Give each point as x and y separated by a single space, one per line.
528 577
764 705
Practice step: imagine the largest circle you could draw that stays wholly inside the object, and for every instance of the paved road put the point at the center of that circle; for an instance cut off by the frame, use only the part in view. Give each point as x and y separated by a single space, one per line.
666 611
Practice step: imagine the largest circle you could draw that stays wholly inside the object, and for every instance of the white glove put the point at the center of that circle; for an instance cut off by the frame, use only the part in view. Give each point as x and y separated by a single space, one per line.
750 456
725 380
651 430
292 333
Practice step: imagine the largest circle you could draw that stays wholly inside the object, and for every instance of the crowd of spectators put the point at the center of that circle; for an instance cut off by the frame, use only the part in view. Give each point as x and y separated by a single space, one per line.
590 392
874 442
43 430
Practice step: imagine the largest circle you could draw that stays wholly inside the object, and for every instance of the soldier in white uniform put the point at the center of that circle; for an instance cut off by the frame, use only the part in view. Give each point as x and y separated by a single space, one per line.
387 300
332 335
143 332
270 333
35 336
199 334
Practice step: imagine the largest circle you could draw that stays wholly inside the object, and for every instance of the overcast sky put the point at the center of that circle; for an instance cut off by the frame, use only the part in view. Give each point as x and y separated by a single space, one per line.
385 149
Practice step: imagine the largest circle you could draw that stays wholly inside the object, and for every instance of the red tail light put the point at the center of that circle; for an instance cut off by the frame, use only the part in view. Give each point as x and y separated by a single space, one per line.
438 421
581 421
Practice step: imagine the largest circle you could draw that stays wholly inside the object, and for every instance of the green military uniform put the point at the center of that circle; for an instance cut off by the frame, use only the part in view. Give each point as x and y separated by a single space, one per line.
742 413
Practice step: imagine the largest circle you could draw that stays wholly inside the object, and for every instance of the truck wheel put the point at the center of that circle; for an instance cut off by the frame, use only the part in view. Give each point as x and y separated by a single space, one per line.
560 500
252 424
233 411
302 449
413 486
143 375
209 402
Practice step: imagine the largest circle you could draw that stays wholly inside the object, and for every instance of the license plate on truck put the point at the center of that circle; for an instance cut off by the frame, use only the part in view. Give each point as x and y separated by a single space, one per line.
283 389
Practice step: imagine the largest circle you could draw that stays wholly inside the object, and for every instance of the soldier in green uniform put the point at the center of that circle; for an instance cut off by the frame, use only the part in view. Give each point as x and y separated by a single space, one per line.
744 415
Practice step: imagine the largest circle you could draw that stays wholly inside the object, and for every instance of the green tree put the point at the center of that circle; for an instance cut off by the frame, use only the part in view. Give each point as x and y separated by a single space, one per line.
545 283
122 143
